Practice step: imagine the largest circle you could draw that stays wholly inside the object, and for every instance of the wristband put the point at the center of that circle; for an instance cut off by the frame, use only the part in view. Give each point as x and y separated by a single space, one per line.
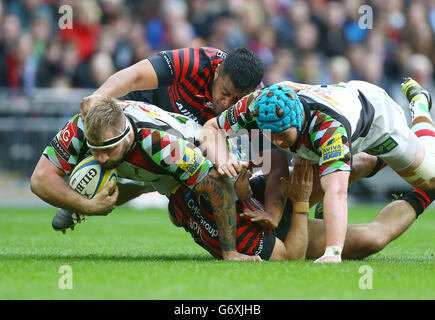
301 207
332 251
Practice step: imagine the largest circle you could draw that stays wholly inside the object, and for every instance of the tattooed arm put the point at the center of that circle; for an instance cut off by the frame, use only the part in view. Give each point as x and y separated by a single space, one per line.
223 201
189 166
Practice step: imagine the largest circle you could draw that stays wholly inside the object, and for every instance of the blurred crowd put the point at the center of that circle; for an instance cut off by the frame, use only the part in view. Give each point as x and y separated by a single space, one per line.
315 41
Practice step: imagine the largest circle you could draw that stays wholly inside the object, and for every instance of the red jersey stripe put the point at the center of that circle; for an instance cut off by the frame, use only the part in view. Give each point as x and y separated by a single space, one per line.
188 99
186 61
195 62
248 236
256 234
176 65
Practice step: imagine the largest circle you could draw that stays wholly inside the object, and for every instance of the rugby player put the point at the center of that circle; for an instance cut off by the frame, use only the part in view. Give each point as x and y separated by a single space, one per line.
329 124
197 82
297 236
145 144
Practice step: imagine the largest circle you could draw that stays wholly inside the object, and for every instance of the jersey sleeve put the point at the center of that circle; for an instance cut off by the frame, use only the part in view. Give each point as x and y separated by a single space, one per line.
64 149
239 116
330 140
176 156
180 64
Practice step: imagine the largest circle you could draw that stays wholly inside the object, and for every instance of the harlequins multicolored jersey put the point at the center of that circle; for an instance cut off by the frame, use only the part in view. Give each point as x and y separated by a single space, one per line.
163 155
338 118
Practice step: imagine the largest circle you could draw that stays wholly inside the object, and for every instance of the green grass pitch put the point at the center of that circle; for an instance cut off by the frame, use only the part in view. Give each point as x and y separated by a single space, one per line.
139 254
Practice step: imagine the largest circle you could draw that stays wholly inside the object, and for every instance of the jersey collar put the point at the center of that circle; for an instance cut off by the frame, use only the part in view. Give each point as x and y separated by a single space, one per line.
305 127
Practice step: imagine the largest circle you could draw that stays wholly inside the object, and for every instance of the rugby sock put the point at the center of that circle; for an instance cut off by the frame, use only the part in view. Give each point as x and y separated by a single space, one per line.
422 124
420 199
380 164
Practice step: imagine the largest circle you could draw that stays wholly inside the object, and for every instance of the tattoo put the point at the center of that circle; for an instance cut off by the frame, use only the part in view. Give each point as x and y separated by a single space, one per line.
223 201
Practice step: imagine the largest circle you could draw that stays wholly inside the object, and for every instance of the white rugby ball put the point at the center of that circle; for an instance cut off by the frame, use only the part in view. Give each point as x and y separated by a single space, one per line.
89 177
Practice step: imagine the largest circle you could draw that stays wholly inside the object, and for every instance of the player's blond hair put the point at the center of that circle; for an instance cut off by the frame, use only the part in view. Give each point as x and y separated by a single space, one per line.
105 113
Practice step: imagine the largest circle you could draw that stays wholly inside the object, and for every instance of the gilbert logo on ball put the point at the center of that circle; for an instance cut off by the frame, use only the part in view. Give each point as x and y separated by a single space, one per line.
89 177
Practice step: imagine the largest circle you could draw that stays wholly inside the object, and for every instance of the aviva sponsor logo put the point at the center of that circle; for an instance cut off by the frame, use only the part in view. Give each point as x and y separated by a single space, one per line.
191 161
332 149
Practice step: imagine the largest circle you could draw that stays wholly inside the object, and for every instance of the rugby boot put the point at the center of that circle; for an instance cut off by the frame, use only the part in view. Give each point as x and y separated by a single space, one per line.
65 219
412 89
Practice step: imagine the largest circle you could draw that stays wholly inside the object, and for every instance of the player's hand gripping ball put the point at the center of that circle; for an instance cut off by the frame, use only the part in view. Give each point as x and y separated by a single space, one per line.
89 177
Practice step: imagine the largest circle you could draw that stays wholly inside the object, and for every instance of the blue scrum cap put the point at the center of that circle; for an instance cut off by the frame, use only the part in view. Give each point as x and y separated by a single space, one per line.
278 108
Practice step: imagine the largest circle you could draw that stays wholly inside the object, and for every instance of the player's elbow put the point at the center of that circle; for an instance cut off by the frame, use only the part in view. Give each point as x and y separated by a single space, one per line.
339 193
336 191
36 181
141 76
39 177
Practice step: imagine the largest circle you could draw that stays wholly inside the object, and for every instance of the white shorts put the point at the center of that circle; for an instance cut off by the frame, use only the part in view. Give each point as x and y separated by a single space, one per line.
389 136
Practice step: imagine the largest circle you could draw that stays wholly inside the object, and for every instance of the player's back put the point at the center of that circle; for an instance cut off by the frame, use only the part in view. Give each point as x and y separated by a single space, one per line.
150 115
340 98
162 137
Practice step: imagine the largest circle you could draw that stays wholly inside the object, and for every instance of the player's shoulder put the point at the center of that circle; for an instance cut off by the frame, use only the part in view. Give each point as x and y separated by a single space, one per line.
214 52
76 118
143 110
74 126
212 56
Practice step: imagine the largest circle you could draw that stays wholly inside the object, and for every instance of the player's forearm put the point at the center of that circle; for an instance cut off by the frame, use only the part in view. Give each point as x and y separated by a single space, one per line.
213 142
119 84
53 190
274 200
335 207
335 217
140 76
296 241
222 199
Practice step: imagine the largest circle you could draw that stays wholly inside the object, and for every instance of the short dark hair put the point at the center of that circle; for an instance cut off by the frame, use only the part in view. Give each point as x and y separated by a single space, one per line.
244 68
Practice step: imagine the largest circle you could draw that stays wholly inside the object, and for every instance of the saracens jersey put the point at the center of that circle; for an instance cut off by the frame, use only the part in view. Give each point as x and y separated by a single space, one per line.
337 116
194 213
163 155
185 78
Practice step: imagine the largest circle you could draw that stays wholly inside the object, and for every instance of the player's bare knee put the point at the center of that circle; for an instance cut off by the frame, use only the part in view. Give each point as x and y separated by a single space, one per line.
363 241
421 174
373 242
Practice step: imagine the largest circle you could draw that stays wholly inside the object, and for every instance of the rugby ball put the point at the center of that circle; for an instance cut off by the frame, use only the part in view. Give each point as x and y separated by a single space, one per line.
89 177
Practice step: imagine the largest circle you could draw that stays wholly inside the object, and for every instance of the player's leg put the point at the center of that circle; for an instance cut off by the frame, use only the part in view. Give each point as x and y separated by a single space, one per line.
294 245
421 172
365 239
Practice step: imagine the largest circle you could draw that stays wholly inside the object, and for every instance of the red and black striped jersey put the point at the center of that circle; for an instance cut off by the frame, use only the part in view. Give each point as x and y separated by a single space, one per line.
195 215
185 78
